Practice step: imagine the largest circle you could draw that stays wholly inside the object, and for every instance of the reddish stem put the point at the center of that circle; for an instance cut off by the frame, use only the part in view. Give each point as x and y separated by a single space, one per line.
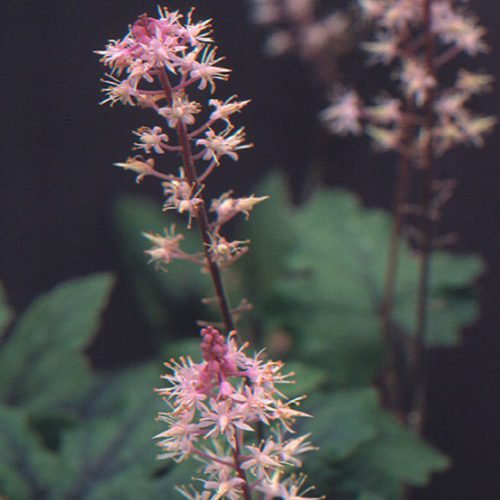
205 233
201 212
237 464
394 372
417 361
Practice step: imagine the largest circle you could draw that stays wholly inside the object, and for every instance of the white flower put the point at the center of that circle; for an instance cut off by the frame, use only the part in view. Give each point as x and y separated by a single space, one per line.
118 91
386 111
263 457
474 83
225 143
182 110
206 71
226 488
139 165
150 138
384 49
223 110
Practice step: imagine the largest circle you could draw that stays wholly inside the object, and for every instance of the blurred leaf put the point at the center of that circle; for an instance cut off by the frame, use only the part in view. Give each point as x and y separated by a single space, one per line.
365 452
186 347
271 237
41 362
393 458
5 311
368 495
135 215
119 391
453 300
341 422
180 475
130 486
114 448
325 268
398 452
26 468
336 256
307 379
348 345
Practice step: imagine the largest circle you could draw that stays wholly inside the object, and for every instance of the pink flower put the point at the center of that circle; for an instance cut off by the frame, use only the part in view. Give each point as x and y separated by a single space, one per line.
219 400
217 145
205 70
151 139
181 110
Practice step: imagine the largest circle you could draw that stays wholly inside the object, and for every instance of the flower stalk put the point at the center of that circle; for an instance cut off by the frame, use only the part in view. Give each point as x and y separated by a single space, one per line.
420 122
201 213
417 361
216 406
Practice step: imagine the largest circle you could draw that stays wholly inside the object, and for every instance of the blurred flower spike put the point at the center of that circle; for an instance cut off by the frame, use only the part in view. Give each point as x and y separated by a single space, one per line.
399 27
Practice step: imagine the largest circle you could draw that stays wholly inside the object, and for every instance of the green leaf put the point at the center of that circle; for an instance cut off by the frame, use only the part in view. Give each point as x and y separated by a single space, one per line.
369 495
348 345
180 475
113 447
5 311
41 364
132 485
307 379
364 451
395 457
26 468
338 252
134 216
401 454
325 281
271 236
453 300
341 422
186 347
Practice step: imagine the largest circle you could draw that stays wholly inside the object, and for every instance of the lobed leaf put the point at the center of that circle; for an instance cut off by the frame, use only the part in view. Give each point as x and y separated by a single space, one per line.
365 452
136 215
326 280
41 364
112 449
26 467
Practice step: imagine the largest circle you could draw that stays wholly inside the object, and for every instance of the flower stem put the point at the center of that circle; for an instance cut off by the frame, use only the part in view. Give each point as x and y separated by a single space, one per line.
237 464
201 213
393 381
417 361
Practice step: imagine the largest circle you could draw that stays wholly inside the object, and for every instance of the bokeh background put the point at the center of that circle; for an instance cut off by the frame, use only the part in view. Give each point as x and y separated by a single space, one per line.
57 189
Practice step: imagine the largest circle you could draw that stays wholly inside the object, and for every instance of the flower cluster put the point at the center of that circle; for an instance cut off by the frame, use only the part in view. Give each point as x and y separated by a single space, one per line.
225 398
399 44
214 405
154 66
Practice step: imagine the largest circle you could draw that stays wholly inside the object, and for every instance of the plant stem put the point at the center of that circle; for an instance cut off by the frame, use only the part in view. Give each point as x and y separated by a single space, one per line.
201 213
417 359
237 464
203 224
394 370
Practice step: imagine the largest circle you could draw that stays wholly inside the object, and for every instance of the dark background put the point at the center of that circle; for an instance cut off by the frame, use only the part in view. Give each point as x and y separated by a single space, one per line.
57 189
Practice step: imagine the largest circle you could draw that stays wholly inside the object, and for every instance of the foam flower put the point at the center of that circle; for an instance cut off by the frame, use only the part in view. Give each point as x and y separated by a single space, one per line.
223 397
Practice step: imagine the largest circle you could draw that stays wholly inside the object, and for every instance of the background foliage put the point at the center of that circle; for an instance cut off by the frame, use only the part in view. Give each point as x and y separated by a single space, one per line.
314 274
